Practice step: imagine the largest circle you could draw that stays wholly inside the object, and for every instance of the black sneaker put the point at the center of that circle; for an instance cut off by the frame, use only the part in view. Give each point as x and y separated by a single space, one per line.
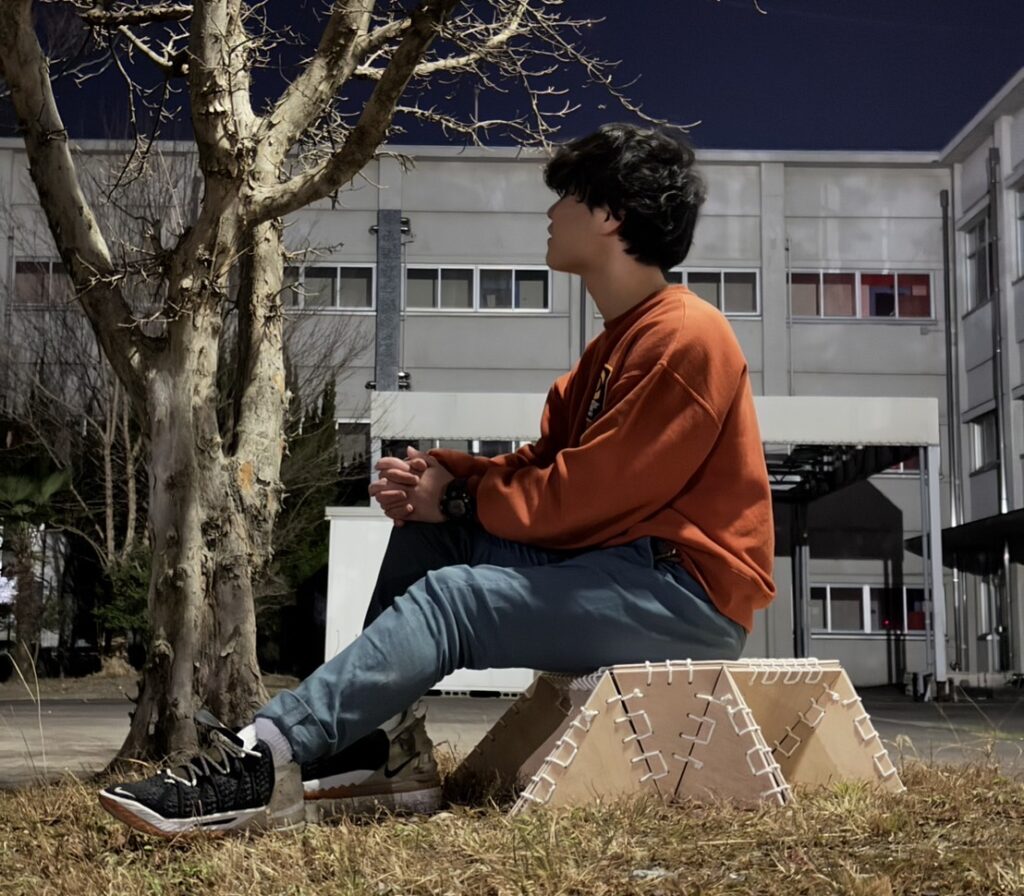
228 788
391 768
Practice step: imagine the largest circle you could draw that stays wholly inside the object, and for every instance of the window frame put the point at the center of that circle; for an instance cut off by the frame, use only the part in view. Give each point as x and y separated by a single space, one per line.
980 464
857 274
1020 231
865 612
338 268
971 302
476 269
48 302
749 315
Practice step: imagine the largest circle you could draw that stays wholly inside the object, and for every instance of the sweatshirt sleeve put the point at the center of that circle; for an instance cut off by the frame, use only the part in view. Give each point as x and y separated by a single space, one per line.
553 436
630 463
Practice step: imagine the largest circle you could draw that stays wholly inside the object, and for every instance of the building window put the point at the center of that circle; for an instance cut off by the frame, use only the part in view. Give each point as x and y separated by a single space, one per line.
481 447
1020 233
833 294
911 466
984 441
868 609
977 265
734 293
353 439
477 289
323 287
41 282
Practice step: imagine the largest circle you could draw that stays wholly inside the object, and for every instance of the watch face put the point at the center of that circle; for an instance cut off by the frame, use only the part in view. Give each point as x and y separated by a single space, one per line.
457 507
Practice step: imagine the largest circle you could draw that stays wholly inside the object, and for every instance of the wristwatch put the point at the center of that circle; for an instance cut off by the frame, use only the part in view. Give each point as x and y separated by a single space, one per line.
457 504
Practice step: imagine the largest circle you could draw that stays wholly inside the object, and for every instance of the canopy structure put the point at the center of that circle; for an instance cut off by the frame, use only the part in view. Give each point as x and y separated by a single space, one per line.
814 445
977 547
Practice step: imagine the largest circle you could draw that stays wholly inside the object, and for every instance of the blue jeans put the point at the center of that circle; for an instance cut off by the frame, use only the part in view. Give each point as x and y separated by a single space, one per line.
451 597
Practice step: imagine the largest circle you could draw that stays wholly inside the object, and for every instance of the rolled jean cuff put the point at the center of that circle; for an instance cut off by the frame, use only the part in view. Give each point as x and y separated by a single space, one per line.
301 729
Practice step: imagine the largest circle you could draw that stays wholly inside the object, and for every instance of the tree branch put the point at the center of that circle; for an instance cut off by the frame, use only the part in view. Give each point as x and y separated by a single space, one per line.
343 43
511 28
72 221
115 15
272 202
219 82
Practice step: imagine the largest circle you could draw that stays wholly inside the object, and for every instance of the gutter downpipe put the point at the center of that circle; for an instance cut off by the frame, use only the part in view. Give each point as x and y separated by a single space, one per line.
956 509
999 388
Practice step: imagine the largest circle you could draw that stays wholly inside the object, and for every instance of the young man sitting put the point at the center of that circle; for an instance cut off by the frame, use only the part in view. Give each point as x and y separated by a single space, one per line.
638 527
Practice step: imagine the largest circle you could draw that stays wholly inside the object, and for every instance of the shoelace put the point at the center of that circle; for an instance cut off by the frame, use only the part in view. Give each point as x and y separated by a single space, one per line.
204 763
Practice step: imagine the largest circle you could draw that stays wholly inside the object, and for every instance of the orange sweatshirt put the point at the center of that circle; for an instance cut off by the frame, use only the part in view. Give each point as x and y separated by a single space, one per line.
652 433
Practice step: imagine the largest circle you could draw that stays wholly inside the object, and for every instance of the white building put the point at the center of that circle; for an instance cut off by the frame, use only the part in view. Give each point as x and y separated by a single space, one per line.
834 268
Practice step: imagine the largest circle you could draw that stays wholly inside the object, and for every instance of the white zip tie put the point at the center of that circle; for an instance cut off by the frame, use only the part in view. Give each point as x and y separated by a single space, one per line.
770 764
650 672
622 698
746 714
884 773
636 715
817 721
782 792
650 775
668 669
850 701
789 734
588 716
696 738
535 783
689 760
858 723
562 741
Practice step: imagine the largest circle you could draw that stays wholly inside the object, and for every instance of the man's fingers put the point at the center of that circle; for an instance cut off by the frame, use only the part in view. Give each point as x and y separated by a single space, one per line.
391 463
401 477
419 464
383 486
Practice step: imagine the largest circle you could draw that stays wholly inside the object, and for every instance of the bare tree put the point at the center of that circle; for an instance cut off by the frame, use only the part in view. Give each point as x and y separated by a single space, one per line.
215 489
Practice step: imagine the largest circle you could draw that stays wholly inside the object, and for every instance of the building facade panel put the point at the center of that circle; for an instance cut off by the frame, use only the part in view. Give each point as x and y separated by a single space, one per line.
501 186
867 347
721 241
477 237
974 178
507 343
835 192
732 190
1017 139
976 332
876 243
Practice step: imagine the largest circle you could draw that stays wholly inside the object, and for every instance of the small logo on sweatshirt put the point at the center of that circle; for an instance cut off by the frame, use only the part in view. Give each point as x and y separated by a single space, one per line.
597 402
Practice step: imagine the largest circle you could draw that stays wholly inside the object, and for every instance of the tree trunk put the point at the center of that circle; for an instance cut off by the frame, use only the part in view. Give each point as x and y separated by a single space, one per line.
26 605
213 502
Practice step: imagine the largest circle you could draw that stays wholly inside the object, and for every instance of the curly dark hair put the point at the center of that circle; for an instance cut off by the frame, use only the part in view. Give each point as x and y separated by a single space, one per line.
645 178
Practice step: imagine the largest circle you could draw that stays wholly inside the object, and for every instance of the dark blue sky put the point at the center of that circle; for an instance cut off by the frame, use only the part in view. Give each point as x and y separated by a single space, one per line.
816 74
811 74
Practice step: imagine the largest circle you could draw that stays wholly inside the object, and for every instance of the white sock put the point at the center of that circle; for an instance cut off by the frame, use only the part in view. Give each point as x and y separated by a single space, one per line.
267 731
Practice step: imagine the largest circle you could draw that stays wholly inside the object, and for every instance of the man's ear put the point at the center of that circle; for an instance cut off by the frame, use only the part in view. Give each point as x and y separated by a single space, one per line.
610 224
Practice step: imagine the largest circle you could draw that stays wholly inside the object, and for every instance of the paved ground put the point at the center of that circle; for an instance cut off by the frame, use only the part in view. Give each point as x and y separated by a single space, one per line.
81 736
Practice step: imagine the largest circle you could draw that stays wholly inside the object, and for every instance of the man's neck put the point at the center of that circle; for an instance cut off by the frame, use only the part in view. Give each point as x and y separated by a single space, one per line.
618 288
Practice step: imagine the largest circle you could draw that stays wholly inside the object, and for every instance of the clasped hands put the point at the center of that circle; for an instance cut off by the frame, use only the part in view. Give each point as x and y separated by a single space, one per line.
410 490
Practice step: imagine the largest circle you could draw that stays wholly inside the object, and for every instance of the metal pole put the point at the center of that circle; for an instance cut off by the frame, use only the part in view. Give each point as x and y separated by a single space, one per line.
956 515
999 389
801 584
937 598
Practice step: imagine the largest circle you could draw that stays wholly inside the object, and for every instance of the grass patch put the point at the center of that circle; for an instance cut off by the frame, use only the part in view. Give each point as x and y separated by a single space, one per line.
957 830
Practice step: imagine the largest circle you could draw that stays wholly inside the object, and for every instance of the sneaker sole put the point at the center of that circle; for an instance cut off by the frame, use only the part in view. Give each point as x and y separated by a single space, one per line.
146 820
423 801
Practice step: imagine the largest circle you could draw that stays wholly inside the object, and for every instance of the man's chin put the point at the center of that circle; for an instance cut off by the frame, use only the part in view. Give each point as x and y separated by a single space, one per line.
560 265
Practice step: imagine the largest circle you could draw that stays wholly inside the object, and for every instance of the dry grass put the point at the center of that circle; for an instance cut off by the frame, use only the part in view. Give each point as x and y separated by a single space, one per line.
956 830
